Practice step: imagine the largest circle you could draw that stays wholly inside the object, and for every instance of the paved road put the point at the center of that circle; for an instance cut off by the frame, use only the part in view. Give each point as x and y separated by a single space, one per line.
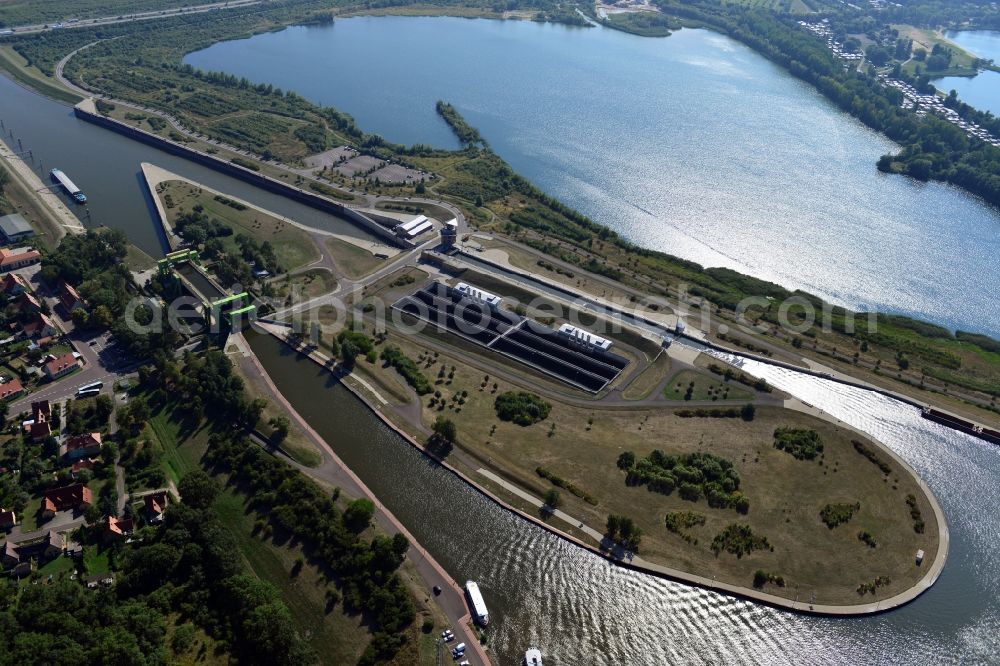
126 18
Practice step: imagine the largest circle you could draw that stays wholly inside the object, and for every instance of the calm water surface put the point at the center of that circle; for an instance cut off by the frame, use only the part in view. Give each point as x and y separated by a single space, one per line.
106 166
693 145
983 90
580 610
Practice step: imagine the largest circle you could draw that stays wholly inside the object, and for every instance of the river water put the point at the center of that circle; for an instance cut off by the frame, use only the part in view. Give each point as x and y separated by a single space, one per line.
575 606
581 610
694 145
983 90
105 165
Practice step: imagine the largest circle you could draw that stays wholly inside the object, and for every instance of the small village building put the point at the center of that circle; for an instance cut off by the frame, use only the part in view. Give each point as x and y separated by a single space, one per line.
13 284
14 228
7 519
67 498
155 504
70 298
80 465
118 528
13 259
40 427
82 446
59 367
12 388
40 327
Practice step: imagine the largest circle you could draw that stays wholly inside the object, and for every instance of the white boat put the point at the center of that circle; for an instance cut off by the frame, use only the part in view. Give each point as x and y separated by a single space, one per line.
533 657
481 615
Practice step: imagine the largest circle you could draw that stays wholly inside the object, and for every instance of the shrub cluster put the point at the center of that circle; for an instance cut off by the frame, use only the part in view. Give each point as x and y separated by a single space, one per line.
693 475
918 521
762 578
868 538
864 450
739 540
679 521
873 585
801 443
623 531
557 480
405 366
746 412
838 514
522 408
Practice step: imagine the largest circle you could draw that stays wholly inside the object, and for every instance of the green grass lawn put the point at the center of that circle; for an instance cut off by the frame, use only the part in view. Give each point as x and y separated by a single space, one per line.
351 260
643 385
704 387
96 560
306 285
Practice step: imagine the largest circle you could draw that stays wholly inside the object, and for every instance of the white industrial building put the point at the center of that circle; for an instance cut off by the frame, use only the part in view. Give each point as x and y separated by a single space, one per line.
584 337
478 294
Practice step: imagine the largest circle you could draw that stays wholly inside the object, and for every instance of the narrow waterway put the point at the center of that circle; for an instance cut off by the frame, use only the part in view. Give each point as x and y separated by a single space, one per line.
105 165
581 610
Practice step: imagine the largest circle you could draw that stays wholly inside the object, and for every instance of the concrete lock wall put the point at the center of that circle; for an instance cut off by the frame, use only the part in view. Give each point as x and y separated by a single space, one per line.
260 180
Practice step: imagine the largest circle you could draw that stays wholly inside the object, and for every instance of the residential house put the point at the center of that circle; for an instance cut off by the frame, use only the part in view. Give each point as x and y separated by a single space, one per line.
75 497
7 519
40 327
42 413
27 302
53 545
105 579
19 258
156 503
10 557
70 298
59 367
11 389
13 284
116 528
82 446
15 228
80 465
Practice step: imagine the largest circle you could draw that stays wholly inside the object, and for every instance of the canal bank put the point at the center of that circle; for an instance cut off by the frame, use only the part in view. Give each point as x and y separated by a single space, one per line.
933 569
452 599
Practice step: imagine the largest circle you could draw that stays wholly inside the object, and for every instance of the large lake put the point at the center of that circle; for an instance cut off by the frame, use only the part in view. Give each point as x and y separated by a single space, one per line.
693 145
983 90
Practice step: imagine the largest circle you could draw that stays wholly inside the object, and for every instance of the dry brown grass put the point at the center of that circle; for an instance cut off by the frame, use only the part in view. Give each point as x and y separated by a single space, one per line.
786 494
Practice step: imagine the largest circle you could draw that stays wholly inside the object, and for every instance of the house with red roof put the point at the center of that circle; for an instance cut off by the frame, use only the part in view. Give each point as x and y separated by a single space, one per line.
11 389
13 284
116 528
19 258
82 446
40 326
155 504
80 465
27 302
59 367
75 497
70 298
41 412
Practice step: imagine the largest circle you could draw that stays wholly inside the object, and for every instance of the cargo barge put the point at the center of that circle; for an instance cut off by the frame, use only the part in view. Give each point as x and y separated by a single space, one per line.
962 425
69 186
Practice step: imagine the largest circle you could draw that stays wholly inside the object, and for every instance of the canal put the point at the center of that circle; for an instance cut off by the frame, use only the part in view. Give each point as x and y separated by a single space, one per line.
575 606
105 166
581 610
